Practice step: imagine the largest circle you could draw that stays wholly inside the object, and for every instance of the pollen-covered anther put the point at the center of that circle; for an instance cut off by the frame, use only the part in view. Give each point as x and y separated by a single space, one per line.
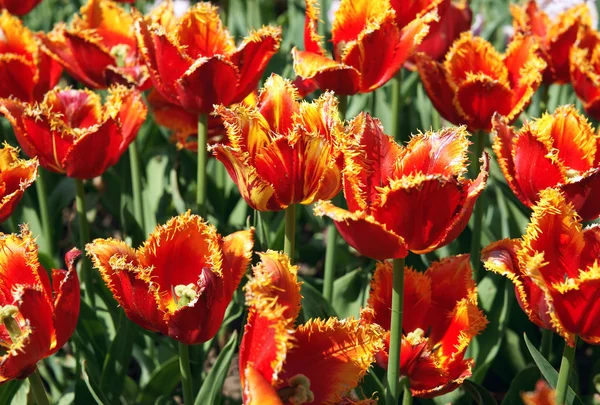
416 336
7 314
120 52
185 294
298 391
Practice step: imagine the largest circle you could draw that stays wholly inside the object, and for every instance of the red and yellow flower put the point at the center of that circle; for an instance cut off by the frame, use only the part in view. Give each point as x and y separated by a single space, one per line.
180 281
558 150
193 61
441 318
71 132
555 269
454 18
543 395
19 7
99 47
404 198
28 73
283 151
369 46
475 81
15 176
555 37
37 317
280 363
585 70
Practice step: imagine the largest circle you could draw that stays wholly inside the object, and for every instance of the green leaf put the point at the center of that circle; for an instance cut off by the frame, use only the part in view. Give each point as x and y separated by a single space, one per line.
116 363
162 381
213 384
9 390
524 381
313 303
349 293
549 373
478 393
92 385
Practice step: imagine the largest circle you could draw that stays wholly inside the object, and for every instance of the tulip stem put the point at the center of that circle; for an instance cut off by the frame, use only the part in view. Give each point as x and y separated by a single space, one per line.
408 398
392 394
397 105
136 185
40 184
201 178
37 388
546 346
562 385
290 231
186 373
84 237
478 143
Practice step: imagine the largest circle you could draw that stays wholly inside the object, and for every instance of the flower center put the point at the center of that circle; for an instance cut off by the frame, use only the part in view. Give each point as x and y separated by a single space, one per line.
7 314
120 52
416 336
298 392
572 173
185 294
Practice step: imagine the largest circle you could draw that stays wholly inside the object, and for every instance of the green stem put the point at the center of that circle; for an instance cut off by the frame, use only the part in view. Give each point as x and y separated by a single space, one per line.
392 394
201 177
478 143
136 185
562 385
290 231
84 237
397 105
40 184
546 346
37 388
408 398
186 373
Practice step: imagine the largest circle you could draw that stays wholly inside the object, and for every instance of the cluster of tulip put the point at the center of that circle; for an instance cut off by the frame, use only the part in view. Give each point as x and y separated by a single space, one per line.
281 152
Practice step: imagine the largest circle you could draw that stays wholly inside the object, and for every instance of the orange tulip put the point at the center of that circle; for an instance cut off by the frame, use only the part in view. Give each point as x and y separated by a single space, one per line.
27 72
71 132
585 71
441 318
317 362
38 317
475 81
180 281
369 46
554 268
543 395
283 151
193 61
404 198
556 38
559 150
15 176
99 47
19 7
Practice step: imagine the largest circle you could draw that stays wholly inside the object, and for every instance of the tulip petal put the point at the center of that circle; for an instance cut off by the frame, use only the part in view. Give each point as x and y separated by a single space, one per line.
131 114
15 176
278 103
584 194
66 300
257 390
201 33
543 394
369 237
327 73
112 23
312 40
237 254
353 17
333 355
170 115
18 77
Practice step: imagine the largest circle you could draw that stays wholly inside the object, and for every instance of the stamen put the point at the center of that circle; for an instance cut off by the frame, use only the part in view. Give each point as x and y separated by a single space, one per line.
185 294
7 314
298 392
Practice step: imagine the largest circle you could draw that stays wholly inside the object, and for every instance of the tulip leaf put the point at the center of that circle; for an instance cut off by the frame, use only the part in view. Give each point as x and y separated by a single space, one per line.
213 384
479 394
524 381
116 363
549 373
8 390
313 303
93 386
350 293
162 381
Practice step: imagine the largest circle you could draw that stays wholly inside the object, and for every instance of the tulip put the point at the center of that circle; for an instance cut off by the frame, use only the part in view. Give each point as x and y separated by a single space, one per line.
16 175
475 81
555 37
317 362
19 7
28 72
585 67
543 395
71 132
558 150
441 318
369 46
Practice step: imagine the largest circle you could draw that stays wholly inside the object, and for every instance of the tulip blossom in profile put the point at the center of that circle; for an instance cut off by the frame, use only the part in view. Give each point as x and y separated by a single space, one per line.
555 37
441 318
71 132
475 81
369 45
15 176
193 61
283 151
18 7
585 71
543 395
554 268
38 315
180 281
454 18
98 48
282 363
558 150
27 72
403 199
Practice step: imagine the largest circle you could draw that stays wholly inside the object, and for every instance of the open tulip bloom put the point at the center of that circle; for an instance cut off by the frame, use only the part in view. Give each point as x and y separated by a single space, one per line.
16 175
280 362
585 70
